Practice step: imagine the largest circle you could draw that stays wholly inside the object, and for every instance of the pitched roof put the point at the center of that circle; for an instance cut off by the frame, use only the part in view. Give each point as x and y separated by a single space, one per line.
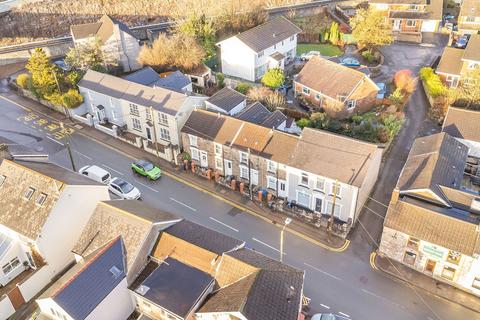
131 219
148 77
269 33
85 285
451 61
462 123
258 287
275 119
254 113
161 99
202 237
175 286
227 99
103 29
433 161
315 151
470 8
472 51
24 215
336 80
174 81
431 225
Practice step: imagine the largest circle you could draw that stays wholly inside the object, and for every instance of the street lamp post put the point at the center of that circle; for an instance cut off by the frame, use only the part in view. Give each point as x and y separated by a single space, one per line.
287 222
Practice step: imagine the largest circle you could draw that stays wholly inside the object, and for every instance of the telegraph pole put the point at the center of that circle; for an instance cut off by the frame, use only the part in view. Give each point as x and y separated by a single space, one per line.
154 130
330 220
67 143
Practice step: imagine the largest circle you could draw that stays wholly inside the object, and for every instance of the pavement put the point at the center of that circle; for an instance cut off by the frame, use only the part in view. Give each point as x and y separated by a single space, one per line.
344 283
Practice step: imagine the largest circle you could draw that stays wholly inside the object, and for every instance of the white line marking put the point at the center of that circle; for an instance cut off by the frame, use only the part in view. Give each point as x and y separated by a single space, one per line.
183 204
110 168
344 314
83 155
144 185
325 306
267 245
224 224
324 272
55 141
381 298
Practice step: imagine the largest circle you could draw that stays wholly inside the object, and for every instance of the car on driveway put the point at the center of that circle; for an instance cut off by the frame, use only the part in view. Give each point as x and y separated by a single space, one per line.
461 42
328 316
383 90
63 65
124 189
308 55
96 173
350 62
146 169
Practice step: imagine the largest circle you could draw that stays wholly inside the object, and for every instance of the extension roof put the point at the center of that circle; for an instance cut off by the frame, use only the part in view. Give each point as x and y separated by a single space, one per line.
462 123
227 99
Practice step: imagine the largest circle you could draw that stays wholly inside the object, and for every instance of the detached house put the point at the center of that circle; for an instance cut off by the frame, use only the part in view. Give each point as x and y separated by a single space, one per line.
340 91
410 18
432 222
456 64
463 125
150 118
115 37
250 54
44 209
469 17
301 169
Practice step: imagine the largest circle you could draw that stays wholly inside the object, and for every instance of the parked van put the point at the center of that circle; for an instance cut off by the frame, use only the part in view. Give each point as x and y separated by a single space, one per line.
96 173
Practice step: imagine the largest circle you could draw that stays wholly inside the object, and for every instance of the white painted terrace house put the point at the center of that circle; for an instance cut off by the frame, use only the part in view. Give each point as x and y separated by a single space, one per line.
250 54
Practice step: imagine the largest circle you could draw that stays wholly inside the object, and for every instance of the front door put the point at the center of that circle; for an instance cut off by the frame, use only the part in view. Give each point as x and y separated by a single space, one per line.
149 134
16 298
430 266
254 174
396 24
228 168
203 159
318 205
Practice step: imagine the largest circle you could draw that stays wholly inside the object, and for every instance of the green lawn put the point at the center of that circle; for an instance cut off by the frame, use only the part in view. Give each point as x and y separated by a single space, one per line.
325 49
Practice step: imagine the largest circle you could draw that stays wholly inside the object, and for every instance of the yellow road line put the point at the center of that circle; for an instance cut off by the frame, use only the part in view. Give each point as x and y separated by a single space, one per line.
373 255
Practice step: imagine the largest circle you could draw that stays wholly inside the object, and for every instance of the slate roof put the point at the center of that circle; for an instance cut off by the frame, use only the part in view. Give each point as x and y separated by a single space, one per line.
131 219
25 216
174 81
175 287
275 119
86 284
433 161
226 99
336 80
451 61
103 29
462 123
160 99
269 33
145 76
472 51
255 113
259 287
315 151
148 77
202 237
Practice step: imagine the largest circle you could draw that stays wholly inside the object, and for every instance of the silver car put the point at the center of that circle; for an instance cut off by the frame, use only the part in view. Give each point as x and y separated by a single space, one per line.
123 189
308 55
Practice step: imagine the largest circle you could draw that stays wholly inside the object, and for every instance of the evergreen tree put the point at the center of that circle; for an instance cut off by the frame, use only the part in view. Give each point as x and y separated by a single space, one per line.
43 73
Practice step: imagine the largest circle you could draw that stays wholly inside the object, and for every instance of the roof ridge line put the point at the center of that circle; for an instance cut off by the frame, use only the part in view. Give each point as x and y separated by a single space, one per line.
36 172
124 212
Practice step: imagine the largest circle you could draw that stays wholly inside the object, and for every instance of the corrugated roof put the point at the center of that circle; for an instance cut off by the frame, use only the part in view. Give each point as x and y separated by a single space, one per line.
227 99
451 61
462 123
269 33
85 285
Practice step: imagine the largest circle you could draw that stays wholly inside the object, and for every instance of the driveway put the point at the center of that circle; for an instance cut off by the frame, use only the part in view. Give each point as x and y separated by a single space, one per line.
399 56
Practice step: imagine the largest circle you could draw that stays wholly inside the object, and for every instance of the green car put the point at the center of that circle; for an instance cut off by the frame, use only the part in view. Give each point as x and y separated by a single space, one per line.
146 169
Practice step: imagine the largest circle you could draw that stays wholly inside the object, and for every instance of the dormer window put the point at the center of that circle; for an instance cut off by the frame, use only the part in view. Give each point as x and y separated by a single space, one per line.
2 180
41 199
29 193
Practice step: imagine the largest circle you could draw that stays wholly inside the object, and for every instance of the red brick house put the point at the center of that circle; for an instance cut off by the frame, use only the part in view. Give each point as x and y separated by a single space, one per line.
338 90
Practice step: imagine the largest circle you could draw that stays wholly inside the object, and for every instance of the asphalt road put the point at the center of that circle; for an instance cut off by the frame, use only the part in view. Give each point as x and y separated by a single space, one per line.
343 283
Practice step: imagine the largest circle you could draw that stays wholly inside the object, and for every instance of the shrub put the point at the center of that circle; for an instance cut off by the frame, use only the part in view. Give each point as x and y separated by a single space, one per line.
304 122
72 99
393 125
243 87
275 100
382 135
273 78
259 93
405 81
396 97
367 54
23 80
220 80
357 119
433 83
73 78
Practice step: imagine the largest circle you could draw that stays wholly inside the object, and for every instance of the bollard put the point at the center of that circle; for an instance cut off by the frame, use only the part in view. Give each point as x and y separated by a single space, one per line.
260 196
233 184
209 174
269 197
193 166
242 186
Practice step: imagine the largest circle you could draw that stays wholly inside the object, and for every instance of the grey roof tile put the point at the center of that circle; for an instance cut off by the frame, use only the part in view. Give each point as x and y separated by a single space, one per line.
227 99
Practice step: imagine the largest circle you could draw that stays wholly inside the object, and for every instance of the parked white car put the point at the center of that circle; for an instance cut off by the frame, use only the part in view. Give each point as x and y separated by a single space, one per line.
96 173
124 189
308 55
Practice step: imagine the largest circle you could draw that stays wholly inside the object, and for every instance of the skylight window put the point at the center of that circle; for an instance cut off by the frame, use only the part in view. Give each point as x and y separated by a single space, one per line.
2 180
41 199
29 193
115 271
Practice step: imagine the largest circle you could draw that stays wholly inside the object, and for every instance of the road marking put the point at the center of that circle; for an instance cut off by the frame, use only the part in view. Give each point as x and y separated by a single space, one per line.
56 141
344 314
324 272
144 185
224 224
267 245
183 204
83 155
381 298
373 255
325 306
110 168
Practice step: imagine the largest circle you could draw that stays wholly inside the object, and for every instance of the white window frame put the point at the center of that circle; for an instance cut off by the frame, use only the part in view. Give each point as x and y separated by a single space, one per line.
195 154
134 109
165 134
317 182
339 189
283 186
243 155
351 104
218 163
476 283
11 265
218 148
148 115
473 65
309 198
136 125
329 210
292 38
303 175
163 119
271 183
243 169
305 90
271 166
193 140
341 98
